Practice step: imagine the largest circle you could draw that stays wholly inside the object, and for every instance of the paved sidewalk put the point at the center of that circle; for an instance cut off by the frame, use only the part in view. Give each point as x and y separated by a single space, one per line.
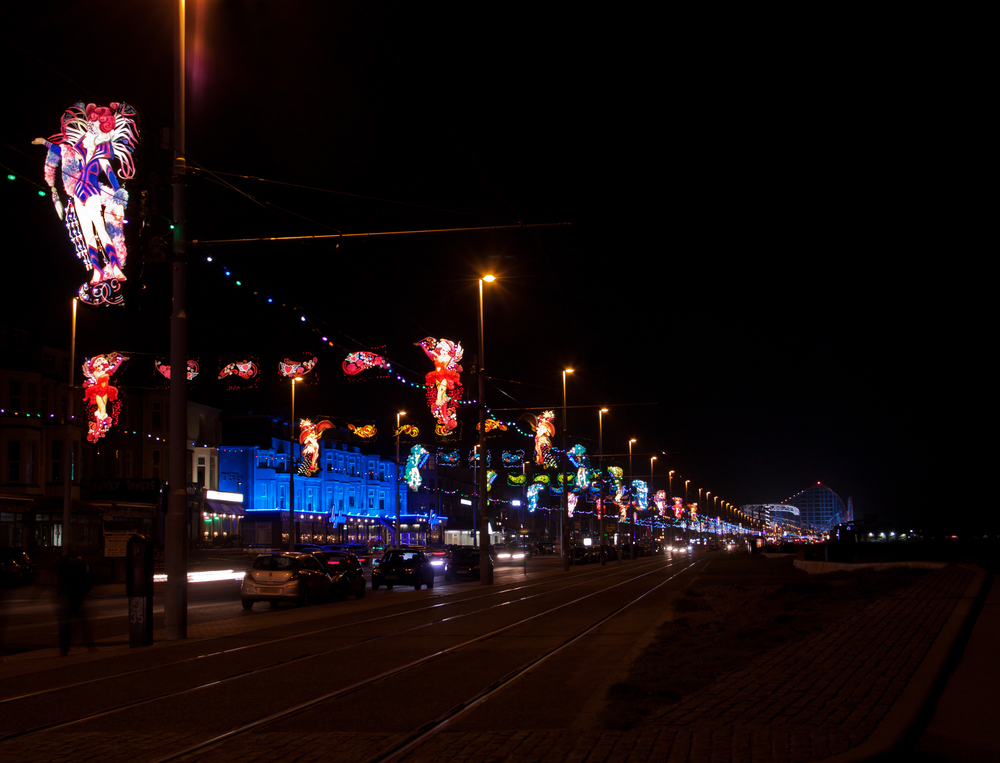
851 693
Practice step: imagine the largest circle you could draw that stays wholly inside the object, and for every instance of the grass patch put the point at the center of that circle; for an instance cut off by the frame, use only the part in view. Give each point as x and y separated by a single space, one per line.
739 607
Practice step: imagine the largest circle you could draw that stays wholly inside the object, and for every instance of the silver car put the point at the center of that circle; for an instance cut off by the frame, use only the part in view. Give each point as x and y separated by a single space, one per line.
285 576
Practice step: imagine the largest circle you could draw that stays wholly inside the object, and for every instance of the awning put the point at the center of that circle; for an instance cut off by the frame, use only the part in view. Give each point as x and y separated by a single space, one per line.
224 507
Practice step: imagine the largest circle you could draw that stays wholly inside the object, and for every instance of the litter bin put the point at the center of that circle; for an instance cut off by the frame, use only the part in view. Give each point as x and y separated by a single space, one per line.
139 589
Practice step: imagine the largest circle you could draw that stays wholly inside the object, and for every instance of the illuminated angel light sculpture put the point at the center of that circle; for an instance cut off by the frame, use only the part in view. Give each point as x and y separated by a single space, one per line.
640 491
294 369
678 507
193 369
533 491
444 388
544 432
417 458
309 434
356 362
98 393
578 457
92 139
617 475
660 499
490 478
571 500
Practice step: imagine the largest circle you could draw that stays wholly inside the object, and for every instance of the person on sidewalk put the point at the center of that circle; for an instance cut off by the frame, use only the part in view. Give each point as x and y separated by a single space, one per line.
73 585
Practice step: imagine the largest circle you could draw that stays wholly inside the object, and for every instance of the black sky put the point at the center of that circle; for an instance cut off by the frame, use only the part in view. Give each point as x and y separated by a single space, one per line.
752 252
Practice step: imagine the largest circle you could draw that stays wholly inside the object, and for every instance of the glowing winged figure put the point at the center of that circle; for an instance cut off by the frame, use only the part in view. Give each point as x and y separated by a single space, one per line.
91 139
544 432
417 458
309 434
533 491
444 388
356 362
98 392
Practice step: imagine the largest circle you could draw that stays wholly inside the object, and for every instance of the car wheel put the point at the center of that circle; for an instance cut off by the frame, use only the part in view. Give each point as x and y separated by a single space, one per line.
304 601
343 592
416 583
248 604
388 586
361 591
430 583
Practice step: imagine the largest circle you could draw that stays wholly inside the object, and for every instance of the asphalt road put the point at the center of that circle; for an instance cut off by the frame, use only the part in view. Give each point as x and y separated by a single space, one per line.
367 675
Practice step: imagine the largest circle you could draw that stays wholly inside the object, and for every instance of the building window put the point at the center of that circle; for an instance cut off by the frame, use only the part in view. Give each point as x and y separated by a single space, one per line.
57 454
29 462
14 394
14 461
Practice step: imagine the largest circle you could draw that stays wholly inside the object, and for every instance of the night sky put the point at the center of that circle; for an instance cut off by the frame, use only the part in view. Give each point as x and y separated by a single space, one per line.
752 274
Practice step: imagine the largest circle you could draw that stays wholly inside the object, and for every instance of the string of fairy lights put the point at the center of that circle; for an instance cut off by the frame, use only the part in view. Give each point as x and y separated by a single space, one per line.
400 376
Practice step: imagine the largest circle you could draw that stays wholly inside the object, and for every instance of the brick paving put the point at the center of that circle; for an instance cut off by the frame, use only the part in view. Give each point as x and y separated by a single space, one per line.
798 703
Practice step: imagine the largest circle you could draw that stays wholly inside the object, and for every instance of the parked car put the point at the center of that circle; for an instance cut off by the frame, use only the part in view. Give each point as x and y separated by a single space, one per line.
285 576
347 576
360 550
403 566
462 563
545 547
15 567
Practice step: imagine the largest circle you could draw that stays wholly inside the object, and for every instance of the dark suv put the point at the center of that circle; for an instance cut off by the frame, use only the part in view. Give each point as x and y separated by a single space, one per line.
403 566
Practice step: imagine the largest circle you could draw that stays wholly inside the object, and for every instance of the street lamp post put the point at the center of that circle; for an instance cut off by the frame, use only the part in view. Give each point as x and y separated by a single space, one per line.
631 553
485 563
563 519
600 469
395 540
291 476
650 492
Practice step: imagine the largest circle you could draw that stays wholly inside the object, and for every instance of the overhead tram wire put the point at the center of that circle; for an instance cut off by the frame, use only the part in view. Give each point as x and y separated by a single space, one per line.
353 195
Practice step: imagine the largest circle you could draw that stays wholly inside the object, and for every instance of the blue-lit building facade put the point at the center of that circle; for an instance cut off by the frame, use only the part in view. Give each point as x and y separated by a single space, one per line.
351 499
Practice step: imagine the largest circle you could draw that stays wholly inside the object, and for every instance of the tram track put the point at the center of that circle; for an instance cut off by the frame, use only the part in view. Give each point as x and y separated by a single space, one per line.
585 575
429 729
632 574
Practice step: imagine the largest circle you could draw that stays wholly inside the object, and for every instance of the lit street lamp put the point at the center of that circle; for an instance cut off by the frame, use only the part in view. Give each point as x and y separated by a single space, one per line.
485 562
398 417
563 519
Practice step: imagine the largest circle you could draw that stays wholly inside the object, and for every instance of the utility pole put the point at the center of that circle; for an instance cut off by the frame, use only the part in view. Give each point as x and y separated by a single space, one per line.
175 609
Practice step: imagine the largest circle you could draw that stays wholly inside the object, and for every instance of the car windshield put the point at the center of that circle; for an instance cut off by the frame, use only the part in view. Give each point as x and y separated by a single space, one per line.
274 562
465 555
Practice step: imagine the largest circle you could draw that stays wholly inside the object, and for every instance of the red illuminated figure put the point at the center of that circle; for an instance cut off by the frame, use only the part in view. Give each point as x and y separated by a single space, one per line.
309 435
98 393
92 139
444 389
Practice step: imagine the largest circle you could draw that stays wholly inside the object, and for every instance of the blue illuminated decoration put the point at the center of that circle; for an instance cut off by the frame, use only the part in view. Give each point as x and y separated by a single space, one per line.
417 458
639 492
474 458
533 491
512 459
449 457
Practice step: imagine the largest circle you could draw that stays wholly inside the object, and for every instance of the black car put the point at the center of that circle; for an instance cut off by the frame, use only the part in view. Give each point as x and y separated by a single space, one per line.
463 563
403 566
347 576
15 567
